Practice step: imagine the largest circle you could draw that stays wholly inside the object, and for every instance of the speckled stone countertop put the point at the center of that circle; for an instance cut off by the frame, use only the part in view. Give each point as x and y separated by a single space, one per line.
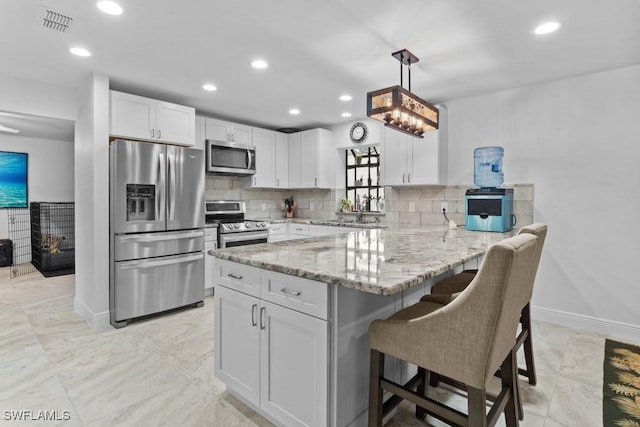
379 261
330 222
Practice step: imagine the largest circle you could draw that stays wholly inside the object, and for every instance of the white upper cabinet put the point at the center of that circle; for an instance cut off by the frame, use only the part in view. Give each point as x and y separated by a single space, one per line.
282 160
309 159
272 159
264 142
220 130
407 160
137 117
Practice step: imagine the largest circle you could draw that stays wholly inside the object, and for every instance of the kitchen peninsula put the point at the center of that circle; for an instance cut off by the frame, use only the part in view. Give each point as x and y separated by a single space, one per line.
292 317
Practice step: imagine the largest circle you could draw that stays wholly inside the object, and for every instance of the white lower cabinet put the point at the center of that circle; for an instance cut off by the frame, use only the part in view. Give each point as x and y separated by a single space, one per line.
273 355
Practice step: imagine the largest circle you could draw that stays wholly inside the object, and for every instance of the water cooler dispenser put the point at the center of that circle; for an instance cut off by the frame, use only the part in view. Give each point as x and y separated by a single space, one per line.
489 208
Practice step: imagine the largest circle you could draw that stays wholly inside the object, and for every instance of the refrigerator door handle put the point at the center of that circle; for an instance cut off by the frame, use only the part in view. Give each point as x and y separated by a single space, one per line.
162 179
171 196
145 263
149 238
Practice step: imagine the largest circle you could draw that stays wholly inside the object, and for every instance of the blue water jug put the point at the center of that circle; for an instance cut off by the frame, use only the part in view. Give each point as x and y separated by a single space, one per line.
487 169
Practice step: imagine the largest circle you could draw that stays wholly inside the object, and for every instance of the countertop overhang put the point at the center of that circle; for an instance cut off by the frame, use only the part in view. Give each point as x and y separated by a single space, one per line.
380 261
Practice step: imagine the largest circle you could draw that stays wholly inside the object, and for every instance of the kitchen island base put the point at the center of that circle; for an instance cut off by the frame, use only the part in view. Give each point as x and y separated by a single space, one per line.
297 350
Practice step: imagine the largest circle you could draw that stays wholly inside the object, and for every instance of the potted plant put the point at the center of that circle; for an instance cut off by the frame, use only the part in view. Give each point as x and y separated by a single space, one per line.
345 205
288 202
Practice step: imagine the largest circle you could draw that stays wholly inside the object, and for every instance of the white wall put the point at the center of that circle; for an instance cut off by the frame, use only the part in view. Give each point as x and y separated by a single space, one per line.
50 171
37 98
578 142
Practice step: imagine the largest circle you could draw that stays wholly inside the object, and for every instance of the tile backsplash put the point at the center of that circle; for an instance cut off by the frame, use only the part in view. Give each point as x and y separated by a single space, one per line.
422 205
411 206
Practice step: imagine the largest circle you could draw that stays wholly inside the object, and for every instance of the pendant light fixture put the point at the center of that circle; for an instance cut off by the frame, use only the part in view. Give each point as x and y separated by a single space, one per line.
400 109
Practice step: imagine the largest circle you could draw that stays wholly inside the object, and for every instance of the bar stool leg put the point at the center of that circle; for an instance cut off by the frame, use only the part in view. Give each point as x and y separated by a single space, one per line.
422 391
375 391
525 319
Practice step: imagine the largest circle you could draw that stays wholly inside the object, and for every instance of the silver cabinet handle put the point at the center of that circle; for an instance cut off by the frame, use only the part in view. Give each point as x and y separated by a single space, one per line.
233 276
159 134
262 323
409 178
254 180
277 182
403 178
316 182
254 308
153 133
294 293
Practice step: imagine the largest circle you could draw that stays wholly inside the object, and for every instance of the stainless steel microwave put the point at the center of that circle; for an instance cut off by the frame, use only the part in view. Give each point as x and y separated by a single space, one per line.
229 158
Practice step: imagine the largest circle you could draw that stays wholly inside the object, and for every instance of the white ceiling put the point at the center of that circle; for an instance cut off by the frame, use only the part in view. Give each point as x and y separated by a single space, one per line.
316 50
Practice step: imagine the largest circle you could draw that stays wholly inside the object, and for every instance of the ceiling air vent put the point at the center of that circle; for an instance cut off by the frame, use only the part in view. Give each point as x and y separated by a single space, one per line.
55 20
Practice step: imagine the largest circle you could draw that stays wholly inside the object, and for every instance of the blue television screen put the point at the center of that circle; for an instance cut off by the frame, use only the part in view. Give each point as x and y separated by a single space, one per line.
13 180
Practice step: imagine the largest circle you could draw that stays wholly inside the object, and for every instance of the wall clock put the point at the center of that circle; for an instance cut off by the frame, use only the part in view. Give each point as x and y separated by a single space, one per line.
358 133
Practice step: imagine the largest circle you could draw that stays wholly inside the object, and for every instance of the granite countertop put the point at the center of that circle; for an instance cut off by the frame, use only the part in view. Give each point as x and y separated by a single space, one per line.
379 261
329 222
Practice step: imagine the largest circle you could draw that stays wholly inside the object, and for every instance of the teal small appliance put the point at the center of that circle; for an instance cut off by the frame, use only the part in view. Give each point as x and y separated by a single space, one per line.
489 209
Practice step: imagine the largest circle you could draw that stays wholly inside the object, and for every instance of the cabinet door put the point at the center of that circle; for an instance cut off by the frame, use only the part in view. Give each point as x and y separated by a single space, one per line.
424 159
293 367
265 146
282 160
175 123
237 338
132 116
394 158
309 158
294 160
216 130
241 134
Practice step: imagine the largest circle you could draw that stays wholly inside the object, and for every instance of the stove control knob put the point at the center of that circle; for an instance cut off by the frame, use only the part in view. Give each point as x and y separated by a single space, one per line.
247 224
262 224
225 227
236 226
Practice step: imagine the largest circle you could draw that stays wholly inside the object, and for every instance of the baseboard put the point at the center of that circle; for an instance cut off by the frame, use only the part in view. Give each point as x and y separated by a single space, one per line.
95 320
609 328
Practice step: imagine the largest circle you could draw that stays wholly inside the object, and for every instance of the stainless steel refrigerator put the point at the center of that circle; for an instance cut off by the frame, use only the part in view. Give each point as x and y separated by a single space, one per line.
156 229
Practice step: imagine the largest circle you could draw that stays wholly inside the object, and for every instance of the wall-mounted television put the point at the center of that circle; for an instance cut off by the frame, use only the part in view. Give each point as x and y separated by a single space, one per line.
14 179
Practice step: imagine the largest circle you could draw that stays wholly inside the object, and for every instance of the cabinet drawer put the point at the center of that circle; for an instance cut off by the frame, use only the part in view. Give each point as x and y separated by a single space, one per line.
240 277
300 229
277 228
304 295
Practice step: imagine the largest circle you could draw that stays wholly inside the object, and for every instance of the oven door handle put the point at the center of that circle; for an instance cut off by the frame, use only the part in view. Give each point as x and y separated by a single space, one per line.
242 237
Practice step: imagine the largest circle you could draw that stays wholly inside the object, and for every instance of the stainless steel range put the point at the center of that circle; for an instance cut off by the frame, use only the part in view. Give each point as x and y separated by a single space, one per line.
233 229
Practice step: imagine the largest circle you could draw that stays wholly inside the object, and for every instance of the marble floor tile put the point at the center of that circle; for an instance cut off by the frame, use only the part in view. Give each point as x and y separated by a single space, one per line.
102 388
183 405
575 403
17 338
47 396
584 358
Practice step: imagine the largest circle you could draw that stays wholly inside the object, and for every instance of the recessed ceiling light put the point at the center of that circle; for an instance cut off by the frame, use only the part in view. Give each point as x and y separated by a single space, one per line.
259 64
546 28
294 111
346 98
209 87
110 7
80 51
8 129
346 114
